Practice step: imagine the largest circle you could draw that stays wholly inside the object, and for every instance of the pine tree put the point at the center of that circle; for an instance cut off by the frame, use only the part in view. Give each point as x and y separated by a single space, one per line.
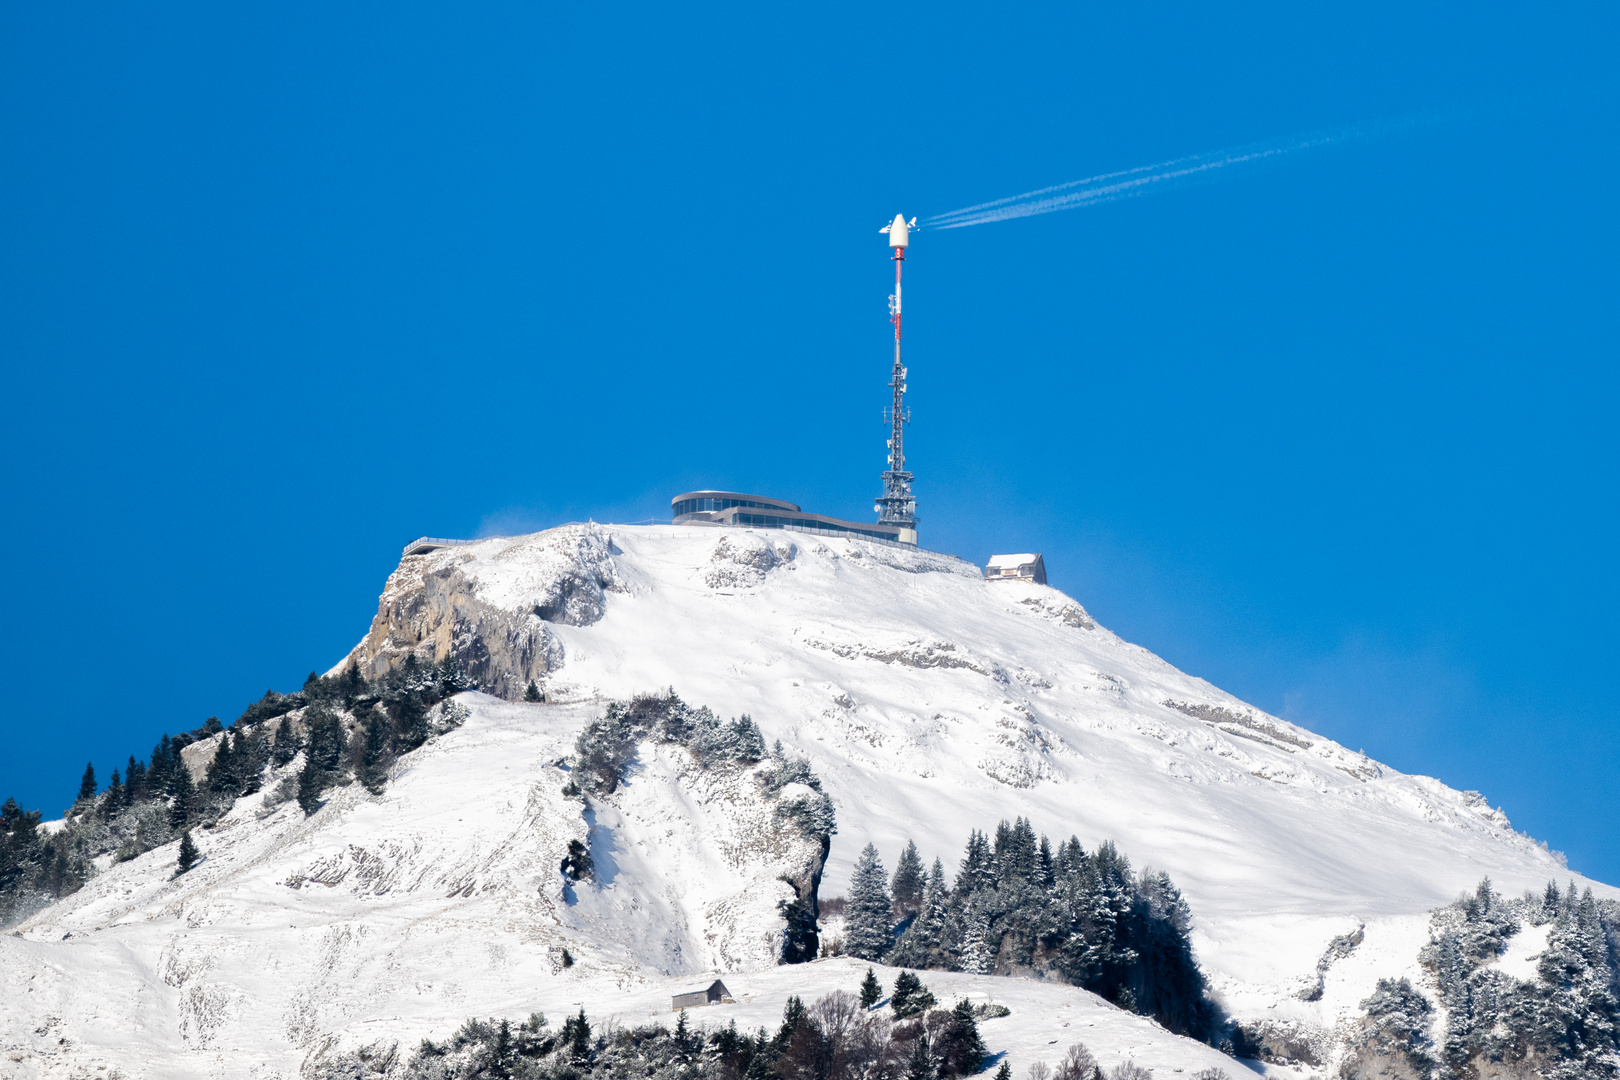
326 741
910 997
114 801
1166 982
450 677
222 770
533 693
867 922
1397 1025
576 1036
1025 849
185 796
922 1064
252 751
410 721
802 940
977 870
159 774
920 945
792 1016
960 1050
351 682
134 782
1005 1072
87 786
909 880
60 875
871 990
760 1065
374 758
188 854
309 788
683 1037
286 744
976 957
735 1050
502 1055
1108 955
19 847
1002 850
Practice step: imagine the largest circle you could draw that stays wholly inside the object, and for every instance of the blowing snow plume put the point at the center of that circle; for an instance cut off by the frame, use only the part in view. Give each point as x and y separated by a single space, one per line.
1145 179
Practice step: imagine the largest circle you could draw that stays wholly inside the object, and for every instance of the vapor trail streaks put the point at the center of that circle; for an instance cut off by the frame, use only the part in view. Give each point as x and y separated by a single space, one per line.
1147 178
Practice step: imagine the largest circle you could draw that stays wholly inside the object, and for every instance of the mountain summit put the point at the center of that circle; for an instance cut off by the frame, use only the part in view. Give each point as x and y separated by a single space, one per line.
915 699
909 680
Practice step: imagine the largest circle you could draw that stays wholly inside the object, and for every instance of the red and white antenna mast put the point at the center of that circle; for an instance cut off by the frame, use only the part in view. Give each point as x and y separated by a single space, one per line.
897 506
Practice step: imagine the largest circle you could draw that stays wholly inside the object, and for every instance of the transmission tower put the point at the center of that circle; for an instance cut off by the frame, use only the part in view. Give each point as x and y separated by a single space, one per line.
897 506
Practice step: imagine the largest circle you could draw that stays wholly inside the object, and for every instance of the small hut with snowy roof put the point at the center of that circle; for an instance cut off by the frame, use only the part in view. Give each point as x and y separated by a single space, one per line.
716 994
1026 567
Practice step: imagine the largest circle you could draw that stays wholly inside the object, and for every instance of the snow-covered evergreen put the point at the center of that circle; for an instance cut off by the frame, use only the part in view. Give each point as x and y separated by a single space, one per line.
910 878
868 920
1082 917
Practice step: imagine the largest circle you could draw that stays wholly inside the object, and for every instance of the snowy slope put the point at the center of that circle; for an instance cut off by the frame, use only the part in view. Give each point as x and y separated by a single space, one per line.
296 938
932 702
929 701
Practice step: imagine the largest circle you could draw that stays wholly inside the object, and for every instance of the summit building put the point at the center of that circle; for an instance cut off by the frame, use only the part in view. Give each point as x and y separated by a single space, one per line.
762 512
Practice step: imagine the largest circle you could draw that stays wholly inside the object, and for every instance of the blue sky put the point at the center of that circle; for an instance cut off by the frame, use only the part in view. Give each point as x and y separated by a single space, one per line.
285 286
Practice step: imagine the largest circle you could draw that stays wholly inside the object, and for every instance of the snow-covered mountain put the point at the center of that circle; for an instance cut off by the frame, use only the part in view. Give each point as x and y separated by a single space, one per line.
929 702
933 701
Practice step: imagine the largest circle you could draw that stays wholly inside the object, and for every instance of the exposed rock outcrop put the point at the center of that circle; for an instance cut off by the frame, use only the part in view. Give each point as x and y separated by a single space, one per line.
743 559
489 604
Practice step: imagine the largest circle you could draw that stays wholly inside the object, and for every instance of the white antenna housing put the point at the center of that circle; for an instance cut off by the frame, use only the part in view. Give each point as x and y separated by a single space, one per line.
899 231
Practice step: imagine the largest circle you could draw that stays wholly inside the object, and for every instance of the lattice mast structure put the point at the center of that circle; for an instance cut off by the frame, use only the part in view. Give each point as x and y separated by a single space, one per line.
897 506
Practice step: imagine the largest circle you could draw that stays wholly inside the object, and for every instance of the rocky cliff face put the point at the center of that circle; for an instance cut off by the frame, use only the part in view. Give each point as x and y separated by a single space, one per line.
491 605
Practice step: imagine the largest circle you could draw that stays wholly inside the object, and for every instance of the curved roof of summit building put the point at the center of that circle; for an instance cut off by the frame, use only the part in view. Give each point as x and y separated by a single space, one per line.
724 500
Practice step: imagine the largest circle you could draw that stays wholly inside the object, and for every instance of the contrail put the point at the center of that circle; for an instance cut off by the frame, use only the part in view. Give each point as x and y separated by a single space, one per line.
1148 178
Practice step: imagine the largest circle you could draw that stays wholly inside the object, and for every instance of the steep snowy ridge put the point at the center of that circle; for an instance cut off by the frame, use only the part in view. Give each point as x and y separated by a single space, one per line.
928 701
